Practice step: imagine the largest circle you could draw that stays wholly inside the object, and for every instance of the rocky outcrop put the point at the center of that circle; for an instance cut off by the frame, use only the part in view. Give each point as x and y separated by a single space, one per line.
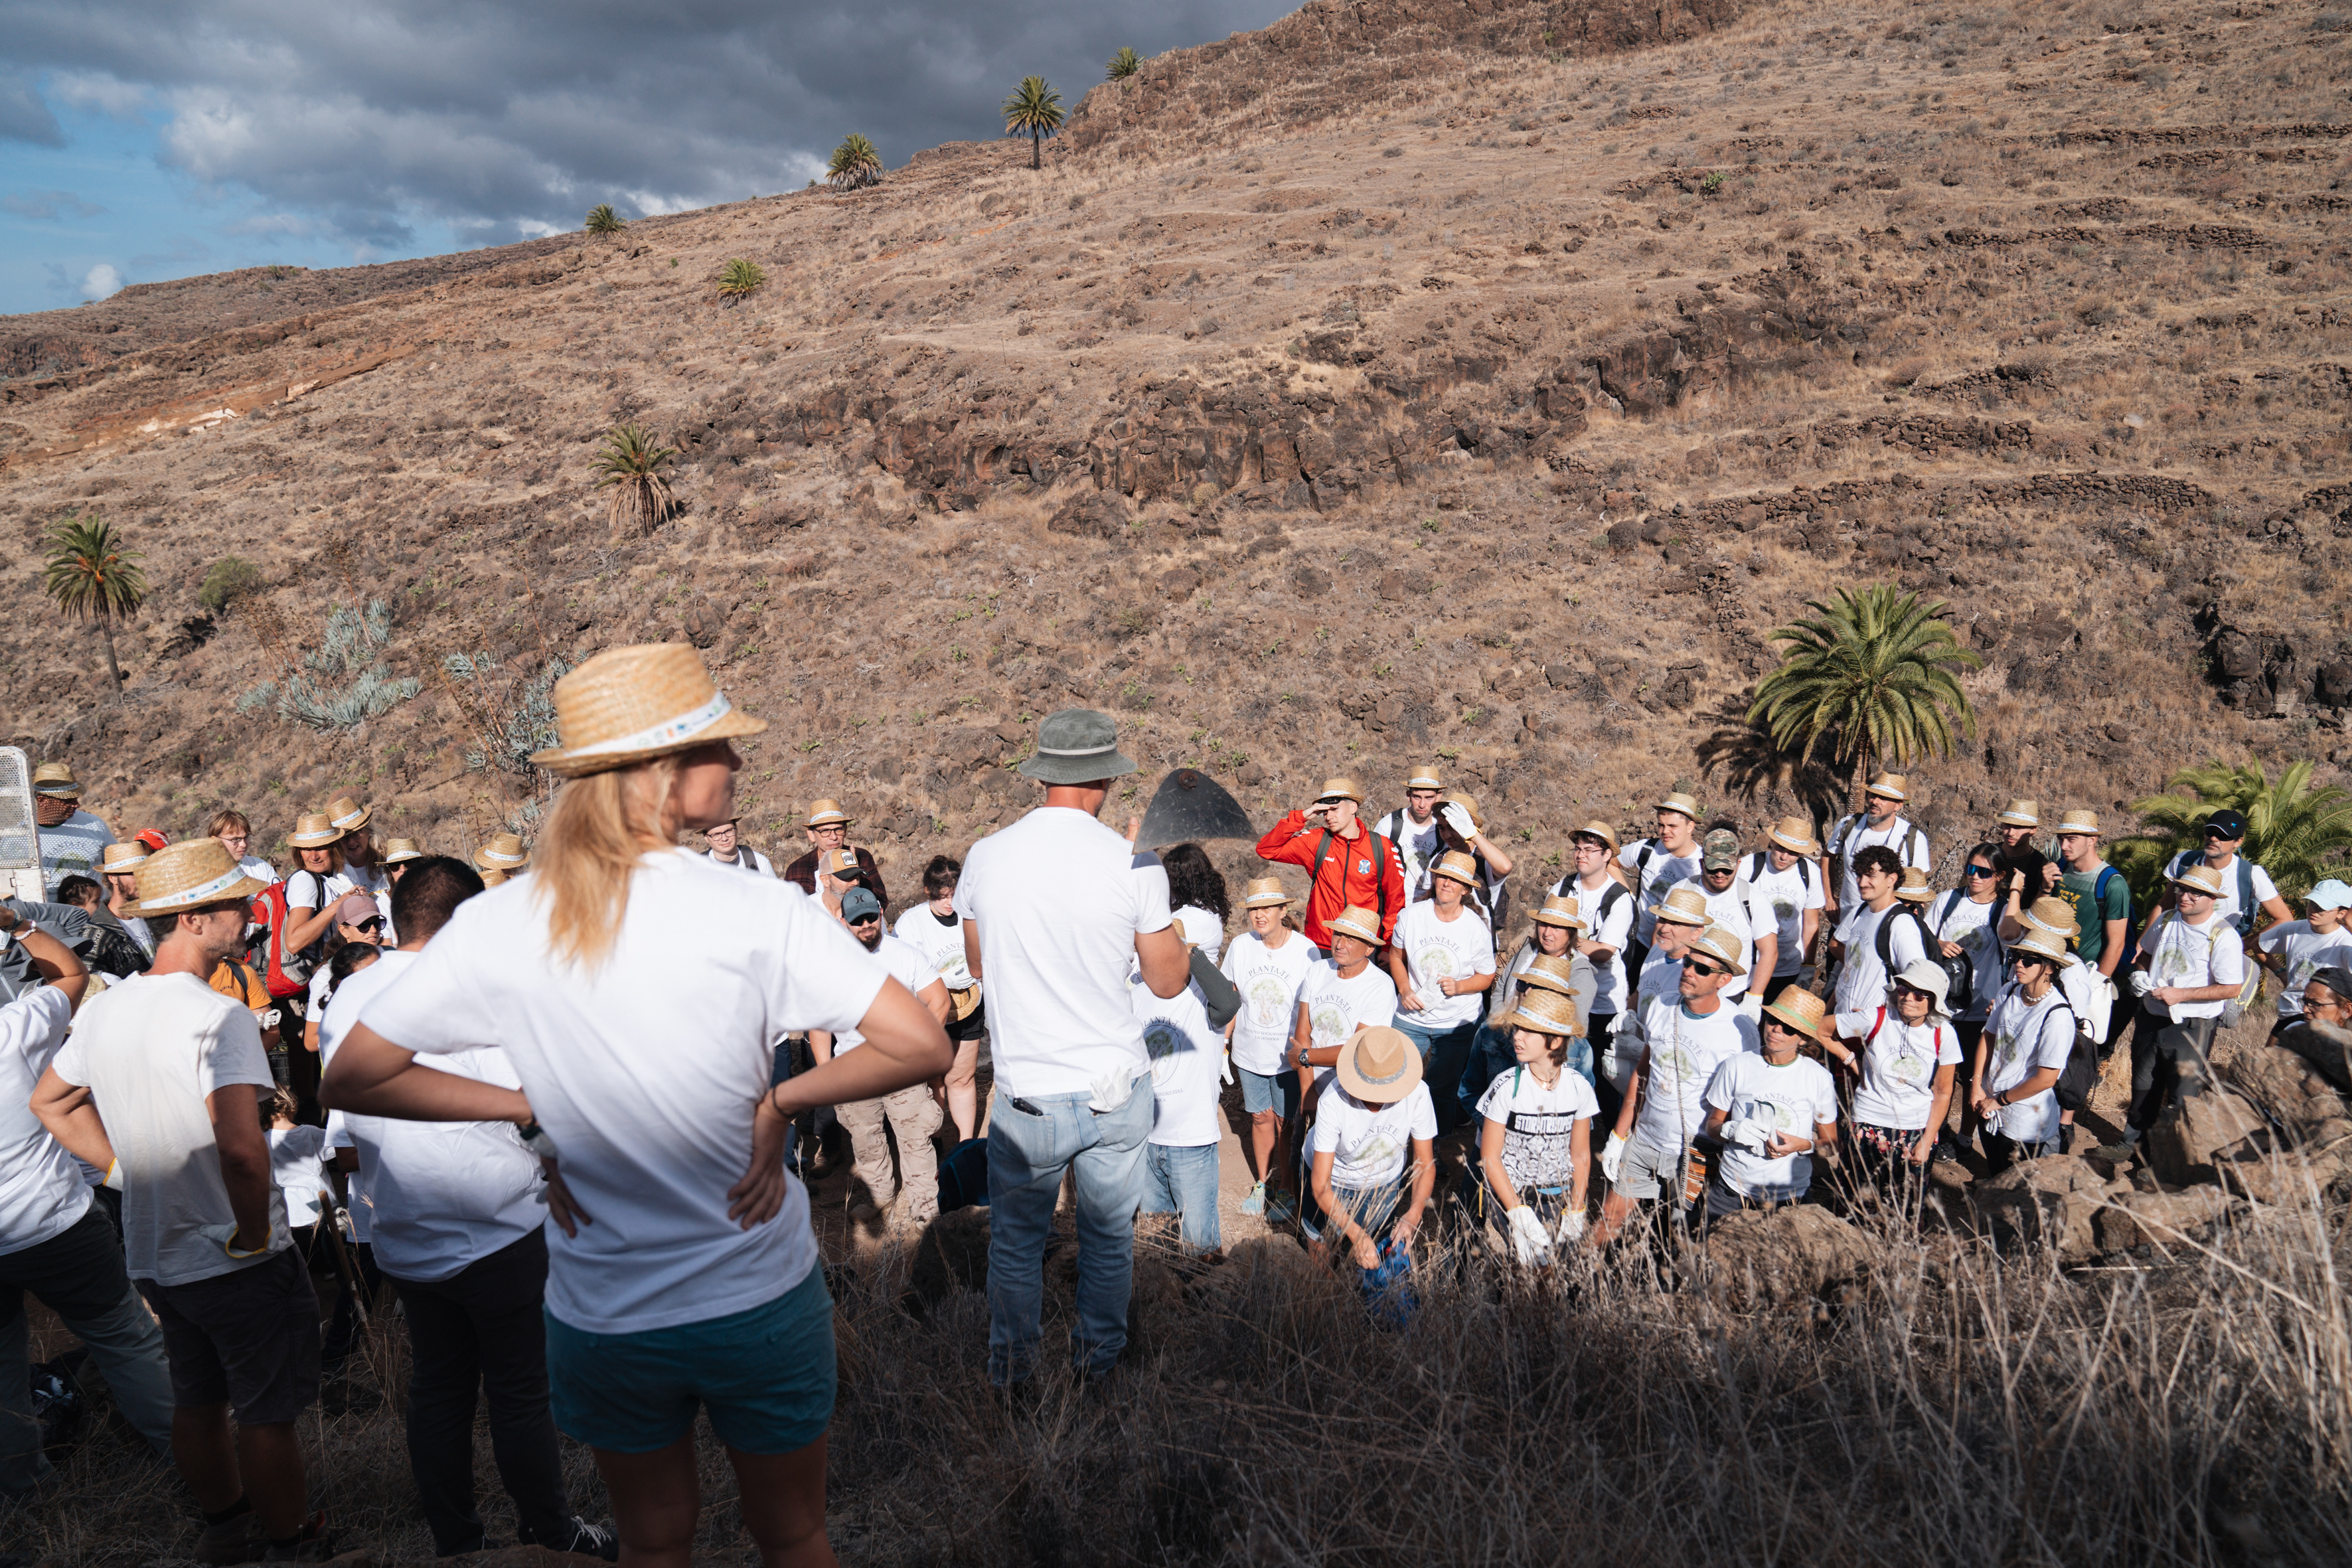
1796 1251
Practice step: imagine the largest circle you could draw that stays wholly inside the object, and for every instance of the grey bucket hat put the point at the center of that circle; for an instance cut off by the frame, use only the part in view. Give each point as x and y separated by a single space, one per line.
1076 746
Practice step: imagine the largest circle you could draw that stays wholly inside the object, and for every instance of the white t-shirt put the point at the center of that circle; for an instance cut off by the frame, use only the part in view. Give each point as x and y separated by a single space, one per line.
1782 898
906 966
2020 1039
149 1050
940 941
41 1189
1684 1050
433 1197
1614 930
309 890
2187 955
746 859
1898 1067
1337 1007
1731 910
1661 979
1269 979
1187 1065
1201 928
1416 843
1957 917
1795 1100
1369 1144
1854 834
254 866
294 1167
1060 899
1438 949
1653 881
2304 953
1862 978
647 1071
1540 1151
2226 903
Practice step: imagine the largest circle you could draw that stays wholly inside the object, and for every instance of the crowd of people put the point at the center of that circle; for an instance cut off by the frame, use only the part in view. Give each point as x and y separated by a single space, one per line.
557 1101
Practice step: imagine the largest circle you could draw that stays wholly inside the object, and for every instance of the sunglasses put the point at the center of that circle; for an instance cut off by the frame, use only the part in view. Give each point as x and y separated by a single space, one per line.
1976 871
373 923
1902 989
1704 969
866 920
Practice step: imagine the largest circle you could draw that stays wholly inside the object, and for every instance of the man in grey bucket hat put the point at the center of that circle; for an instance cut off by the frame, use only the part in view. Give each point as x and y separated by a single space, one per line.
1058 909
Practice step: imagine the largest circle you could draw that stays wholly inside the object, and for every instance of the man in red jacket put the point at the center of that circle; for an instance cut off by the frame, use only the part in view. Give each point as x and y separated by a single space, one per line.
1349 863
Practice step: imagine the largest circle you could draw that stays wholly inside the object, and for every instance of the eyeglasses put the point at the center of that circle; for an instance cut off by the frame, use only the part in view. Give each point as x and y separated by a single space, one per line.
1590 847
1903 988
1976 871
2314 1004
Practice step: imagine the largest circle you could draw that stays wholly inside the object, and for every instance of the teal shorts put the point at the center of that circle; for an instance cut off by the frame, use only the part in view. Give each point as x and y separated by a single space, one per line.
766 1374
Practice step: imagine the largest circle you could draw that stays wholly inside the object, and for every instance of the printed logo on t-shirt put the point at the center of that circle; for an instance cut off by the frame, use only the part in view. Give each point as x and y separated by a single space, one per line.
1783 911
1436 961
1677 1061
1328 1022
1907 1068
1163 1039
1376 1150
1269 999
2008 1047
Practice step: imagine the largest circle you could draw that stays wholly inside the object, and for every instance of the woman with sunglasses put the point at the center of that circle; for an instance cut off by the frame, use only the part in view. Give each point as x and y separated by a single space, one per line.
1966 922
2027 1040
1904 1055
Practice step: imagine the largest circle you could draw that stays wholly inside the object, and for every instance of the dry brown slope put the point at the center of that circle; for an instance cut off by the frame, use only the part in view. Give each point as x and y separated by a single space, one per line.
1481 418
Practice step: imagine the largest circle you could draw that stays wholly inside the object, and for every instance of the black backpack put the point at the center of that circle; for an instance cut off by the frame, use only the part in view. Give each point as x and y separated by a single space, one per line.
1884 938
1764 858
1961 973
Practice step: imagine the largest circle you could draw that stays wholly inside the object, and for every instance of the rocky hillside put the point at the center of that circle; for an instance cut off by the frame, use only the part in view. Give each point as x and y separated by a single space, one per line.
1466 382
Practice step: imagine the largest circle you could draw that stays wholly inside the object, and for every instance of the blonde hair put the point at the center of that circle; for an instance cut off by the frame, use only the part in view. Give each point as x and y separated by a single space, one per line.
596 833
225 820
333 852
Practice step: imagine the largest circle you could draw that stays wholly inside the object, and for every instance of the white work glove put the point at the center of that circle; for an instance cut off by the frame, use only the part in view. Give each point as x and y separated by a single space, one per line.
1626 1042
1528 1237
1612 1155
1112 1090
269 1017
1748 1135
1571 1227
2142 982
1458 819
1226 1067
279 1238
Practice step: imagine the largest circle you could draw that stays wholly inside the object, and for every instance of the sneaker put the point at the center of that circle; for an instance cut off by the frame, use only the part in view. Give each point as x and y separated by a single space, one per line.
587 1540
1946 1152
1281 1206
1256 1202
237 1540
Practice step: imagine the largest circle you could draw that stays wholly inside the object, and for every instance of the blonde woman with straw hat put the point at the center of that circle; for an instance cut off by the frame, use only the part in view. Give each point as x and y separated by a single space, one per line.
1268 964
1535 1132
638 992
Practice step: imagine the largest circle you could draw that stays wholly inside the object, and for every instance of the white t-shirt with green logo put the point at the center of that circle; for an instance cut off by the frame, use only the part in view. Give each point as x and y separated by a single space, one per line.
1784 896
1436 949
1269 979
2304 953
1337 1007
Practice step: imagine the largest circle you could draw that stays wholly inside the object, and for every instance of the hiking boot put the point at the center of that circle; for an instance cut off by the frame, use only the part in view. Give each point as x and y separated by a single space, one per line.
1256 1202
237 1540
587 1540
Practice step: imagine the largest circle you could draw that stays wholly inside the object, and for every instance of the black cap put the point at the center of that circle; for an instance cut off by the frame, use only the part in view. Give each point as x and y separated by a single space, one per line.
2227 823
2336 977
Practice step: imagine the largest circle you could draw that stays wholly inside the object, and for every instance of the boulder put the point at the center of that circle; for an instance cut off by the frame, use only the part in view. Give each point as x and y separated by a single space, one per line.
2052 1201
2161 1219
1794 1252
2209 1127
2328 1050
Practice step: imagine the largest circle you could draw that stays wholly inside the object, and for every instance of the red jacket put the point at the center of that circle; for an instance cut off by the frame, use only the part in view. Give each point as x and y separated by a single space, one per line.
1361 871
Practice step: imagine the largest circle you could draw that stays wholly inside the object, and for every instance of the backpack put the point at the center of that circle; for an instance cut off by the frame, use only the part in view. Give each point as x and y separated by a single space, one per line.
1385 853
1961 973
2080 1076
286 973
1883 939
1756 868
2244 919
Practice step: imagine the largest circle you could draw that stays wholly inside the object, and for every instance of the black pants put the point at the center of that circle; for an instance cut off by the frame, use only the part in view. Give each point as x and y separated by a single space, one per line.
1599 1030
482 1329
2168 1059
2001 1153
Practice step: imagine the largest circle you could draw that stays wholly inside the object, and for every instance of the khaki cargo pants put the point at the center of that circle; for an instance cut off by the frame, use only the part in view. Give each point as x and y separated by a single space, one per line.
914 1115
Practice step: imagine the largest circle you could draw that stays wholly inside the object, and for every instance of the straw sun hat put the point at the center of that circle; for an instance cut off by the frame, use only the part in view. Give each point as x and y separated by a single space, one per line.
827 813
630 705
122 859
1360 922
396 850
348 813
1546 1012
189 874
1799 1009
1457 867
1378 1066
1795 835
56 780
1559 909
1263 893
314 830
1550 971
504 852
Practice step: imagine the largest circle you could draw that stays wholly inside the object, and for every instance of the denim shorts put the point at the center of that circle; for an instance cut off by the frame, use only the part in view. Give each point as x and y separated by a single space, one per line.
1277 1092
766 1374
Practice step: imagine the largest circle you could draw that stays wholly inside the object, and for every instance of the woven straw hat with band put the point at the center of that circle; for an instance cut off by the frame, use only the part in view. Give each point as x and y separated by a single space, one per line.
1360 922
348 813
395 850
1455 866
2198 879
1559 909
1795 835
1801 1010
1378 1066
828 814
2040 944
2020 813
2055 915
1340 789
314 830
1683 906
630 705
1424 778
1597 829
1719 946
504 852
1545 1012
1263 893
121 860
2079 821
1894 786
189 874
1914 888
1677 801
56 780
1551 972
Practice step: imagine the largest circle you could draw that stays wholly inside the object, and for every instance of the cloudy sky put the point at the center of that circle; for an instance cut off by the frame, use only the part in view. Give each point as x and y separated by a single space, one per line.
153 139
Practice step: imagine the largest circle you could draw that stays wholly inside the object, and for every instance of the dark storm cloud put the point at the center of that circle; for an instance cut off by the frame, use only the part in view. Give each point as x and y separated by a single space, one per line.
23 116
504 117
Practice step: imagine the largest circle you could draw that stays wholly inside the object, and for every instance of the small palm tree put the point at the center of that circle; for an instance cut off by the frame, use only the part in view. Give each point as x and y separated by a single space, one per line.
854 164
2299 835
1034 111
94 578
739 277
1124 64
603 219
630 466
1872 677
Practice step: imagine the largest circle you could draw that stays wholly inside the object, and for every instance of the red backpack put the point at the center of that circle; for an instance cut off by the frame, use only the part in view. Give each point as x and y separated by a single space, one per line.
287 975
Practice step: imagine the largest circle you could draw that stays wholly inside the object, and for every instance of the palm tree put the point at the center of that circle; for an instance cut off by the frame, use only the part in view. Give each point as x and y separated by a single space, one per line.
1034 111
1124 64
1872 677
603 219
854 164
94 578
630 466
739 277
2299 835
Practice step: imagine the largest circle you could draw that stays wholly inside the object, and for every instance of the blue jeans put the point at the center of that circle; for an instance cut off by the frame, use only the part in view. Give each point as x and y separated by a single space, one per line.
1444 1057
1182 1179
1370 1207
1492 1058
1032 1142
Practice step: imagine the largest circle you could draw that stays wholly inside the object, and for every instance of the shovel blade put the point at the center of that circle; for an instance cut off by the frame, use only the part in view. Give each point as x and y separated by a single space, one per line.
1191 806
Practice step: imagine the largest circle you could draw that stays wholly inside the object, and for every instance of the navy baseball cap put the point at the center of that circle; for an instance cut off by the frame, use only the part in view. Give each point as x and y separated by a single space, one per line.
860 902
2226 823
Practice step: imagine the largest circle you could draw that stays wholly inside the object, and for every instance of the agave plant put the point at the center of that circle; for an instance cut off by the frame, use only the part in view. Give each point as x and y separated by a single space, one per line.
630 466
92 577
854 164
1124 64
1034 111
739 277
603 219
344 681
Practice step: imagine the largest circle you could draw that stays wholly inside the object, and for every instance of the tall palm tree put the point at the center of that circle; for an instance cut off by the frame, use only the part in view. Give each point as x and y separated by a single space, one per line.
603 219
854 164
2299 835
94 578
1124 64
1873 677
630 466
1034 111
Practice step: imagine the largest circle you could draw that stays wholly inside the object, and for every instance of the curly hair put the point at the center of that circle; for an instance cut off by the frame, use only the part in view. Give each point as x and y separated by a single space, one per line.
1193 879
